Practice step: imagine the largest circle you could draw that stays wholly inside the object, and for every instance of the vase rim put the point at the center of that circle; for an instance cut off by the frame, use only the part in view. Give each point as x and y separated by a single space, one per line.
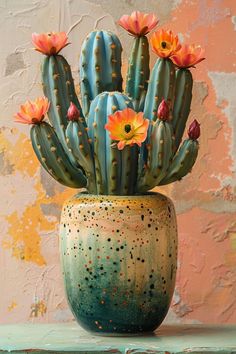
118 196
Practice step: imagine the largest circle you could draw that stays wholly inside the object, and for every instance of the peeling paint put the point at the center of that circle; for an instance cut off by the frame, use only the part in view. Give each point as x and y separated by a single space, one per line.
224 86
14 62
233 19
12 306
5 167
38 309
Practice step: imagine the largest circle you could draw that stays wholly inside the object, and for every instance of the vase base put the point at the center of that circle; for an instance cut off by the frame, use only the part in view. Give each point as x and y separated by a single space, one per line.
117 334
121 331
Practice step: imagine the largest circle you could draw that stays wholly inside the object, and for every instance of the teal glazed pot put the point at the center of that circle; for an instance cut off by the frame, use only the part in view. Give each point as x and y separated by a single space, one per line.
119 259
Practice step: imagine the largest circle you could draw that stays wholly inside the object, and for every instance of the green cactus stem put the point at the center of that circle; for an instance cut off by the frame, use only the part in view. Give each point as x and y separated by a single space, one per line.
182 103
129 162
138 72
108 159
58 87
161 85
160 151
182 162
100 66
52 156
80 146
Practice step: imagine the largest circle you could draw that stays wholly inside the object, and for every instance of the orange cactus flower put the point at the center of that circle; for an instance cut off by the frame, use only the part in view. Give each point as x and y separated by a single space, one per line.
49 43
33 112
128 127
188 56
164 43
138 23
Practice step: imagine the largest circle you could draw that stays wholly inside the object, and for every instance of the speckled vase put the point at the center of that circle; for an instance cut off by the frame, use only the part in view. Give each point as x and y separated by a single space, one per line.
119 258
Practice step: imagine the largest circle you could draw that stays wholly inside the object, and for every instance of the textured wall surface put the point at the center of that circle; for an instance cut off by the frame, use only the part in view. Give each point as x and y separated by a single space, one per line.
31 284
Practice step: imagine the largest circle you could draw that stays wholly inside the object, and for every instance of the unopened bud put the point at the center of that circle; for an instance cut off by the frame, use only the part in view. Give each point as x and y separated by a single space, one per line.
194 130
163 110
73 113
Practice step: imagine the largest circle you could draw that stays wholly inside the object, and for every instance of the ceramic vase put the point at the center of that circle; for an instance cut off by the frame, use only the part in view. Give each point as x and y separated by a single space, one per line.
119 259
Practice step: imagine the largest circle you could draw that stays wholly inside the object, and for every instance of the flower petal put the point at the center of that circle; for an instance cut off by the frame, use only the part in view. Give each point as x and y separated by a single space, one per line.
49 43
188 56
32 112
164 43
138 23
127 127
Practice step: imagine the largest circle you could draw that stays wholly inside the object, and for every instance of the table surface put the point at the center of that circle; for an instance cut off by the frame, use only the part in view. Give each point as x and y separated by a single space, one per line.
70 338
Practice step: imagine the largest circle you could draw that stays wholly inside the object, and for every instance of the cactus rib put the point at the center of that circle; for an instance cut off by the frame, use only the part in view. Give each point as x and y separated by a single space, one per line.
161 85
138 72
182 103
100 66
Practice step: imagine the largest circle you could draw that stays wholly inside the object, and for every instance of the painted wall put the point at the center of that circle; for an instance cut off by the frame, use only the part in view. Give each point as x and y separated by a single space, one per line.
31 284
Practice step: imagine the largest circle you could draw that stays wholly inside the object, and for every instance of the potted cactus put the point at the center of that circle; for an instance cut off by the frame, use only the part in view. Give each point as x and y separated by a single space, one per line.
118 240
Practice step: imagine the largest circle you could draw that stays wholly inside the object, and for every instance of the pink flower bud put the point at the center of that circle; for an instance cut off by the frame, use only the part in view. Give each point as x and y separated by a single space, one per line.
194 130
73 113
163 110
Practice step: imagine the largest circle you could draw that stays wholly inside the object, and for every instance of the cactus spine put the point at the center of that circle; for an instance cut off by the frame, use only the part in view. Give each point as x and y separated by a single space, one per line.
100 66
138 72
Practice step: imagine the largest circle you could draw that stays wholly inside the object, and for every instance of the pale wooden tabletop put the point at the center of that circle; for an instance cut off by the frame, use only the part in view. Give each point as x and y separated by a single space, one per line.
70 338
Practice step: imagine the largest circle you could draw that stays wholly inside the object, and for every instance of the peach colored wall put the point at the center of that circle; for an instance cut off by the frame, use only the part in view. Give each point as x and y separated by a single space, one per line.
31 284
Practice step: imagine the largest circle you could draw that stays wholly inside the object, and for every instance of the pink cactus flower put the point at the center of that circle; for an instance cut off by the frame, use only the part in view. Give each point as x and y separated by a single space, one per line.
138 23
73 113
49 43
194 130
163 110
188 56
33 112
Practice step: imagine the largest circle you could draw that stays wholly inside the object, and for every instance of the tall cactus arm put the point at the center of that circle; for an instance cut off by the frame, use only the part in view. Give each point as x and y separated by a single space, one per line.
58 87
138 72
182 162
100 66
161 85
78 142
182 103
50 153
108 159
159 155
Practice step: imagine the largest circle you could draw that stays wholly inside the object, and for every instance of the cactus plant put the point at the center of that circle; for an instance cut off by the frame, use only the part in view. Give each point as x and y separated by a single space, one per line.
79 148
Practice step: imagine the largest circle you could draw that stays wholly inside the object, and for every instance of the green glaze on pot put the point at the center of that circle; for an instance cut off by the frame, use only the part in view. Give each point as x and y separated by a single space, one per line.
119 257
